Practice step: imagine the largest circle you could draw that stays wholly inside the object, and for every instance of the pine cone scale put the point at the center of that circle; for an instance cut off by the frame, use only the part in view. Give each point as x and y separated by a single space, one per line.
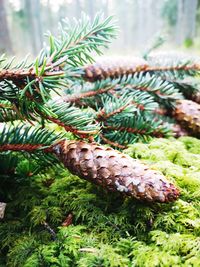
187 113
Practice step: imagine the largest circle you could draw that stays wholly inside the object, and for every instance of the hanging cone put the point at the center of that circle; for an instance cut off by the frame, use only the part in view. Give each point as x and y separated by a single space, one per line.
113 68
115 171
187 113
196 97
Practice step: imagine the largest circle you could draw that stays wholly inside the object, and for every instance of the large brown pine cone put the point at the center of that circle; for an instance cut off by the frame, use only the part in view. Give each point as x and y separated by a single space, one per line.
115 171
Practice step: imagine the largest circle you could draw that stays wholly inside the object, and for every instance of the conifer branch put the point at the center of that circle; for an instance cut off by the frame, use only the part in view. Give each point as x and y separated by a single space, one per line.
28 137
69 128
185 68
72 118
9 112
56 65
190 87
77 97
102 115
155 133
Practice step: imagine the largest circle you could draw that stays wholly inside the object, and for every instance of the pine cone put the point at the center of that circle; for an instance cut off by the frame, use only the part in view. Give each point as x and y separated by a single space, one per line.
178 131
115 171
113 68
187 113
196 97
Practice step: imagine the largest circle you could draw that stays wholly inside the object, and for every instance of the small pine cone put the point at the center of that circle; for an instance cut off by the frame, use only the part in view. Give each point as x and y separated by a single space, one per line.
187 113
196 97
113 68
115 171
68 220
178 131
160 111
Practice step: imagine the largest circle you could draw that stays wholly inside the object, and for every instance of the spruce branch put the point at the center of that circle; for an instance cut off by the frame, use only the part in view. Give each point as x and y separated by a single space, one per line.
122 103
26 138
73 119
164 78
162 91
173 64
157 42
77 97
78 39
88 90
104 113
57 64
125 130
190 88
9 112
113 91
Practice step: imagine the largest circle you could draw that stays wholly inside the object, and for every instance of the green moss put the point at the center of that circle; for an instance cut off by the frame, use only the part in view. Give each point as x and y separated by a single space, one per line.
107 230
192 144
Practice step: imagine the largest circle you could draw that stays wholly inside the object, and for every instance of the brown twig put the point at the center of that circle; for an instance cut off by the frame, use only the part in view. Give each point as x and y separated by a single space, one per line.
133 130
103 116
20 147
109 142
76 97
20 74
68 128
175 68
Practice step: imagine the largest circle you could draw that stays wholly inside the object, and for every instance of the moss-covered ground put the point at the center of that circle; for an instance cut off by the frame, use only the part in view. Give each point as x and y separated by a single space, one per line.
106 229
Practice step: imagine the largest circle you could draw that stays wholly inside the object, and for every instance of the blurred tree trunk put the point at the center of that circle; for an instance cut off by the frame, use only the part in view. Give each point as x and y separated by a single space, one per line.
90 8
49 16
78 9
106 7
190 12
5 42
179 29
186 20
34 24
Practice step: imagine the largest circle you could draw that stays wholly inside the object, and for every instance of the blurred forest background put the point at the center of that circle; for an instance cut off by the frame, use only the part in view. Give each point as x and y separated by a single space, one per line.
23 22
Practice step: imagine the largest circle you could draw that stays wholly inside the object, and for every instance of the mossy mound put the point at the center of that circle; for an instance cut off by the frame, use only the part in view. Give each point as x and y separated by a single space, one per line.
106 229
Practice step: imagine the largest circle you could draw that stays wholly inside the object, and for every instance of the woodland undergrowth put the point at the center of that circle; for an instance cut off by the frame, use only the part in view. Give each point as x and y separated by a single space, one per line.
54 218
